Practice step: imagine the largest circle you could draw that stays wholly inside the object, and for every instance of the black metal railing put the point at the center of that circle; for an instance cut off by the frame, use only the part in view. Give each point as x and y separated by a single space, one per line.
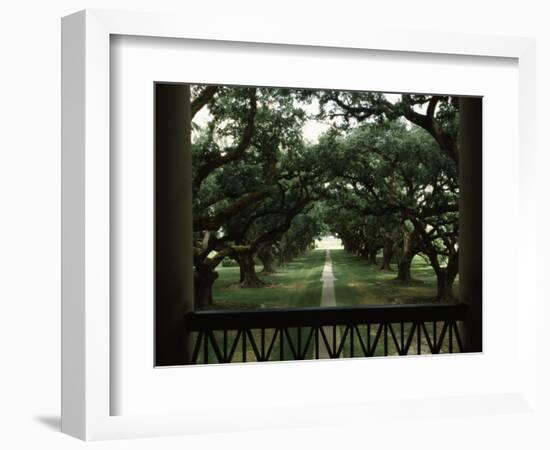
329 332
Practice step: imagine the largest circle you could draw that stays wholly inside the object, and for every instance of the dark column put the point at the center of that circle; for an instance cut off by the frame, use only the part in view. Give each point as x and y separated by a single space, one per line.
470 225
173 222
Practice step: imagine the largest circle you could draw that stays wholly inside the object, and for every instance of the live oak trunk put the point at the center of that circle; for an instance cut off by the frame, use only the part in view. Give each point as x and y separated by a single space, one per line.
249 278
405 258
404 269
387 256
372 256
369 251
284 258
266 257
204 280
445 279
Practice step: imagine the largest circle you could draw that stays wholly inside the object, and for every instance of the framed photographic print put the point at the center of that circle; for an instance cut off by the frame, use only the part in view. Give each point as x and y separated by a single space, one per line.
250 221
348 203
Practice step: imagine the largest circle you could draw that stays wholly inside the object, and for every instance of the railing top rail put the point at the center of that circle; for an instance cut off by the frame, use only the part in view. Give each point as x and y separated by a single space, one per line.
339 315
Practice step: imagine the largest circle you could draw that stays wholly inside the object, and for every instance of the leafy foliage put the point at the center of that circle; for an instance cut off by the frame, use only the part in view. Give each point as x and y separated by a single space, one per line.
384 175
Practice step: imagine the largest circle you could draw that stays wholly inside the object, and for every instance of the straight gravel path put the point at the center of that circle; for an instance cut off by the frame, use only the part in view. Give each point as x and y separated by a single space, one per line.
328 298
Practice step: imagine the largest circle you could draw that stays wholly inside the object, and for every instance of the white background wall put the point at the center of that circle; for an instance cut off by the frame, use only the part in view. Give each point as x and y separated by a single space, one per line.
30 199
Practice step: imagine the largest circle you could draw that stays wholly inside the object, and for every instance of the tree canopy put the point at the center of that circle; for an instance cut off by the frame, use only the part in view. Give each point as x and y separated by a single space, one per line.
383 176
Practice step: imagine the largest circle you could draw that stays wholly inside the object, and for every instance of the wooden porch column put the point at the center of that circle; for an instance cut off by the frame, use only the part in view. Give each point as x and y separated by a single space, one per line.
470 218
173 222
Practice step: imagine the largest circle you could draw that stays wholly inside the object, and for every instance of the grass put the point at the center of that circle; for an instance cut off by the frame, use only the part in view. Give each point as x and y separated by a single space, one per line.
298 284
358 283
293 286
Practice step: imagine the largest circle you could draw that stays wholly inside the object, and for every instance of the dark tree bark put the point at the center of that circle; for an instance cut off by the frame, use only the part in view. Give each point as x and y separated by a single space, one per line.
404 269
202 99
281 254
369 252
215 222
284 258
445 279
405 257
266 257
249 278
445 275
372 256
447 142
233 153
387 255
204 278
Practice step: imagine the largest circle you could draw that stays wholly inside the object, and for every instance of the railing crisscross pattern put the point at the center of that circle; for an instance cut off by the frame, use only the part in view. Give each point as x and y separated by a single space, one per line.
314 333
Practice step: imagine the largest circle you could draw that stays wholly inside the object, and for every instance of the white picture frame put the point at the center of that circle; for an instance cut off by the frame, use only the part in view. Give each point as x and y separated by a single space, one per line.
87 384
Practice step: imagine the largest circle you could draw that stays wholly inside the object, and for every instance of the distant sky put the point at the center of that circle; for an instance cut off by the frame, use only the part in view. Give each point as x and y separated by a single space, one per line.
314 128
330 243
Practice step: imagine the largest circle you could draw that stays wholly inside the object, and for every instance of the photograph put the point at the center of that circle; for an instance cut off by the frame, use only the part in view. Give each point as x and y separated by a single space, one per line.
325 223
269 225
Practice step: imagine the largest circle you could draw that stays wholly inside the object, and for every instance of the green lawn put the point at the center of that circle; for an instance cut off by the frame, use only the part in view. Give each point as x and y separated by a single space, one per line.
295 285
360 284
299 285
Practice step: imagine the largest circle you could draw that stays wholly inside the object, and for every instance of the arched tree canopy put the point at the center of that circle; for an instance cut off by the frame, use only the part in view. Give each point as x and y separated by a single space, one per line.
383 175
